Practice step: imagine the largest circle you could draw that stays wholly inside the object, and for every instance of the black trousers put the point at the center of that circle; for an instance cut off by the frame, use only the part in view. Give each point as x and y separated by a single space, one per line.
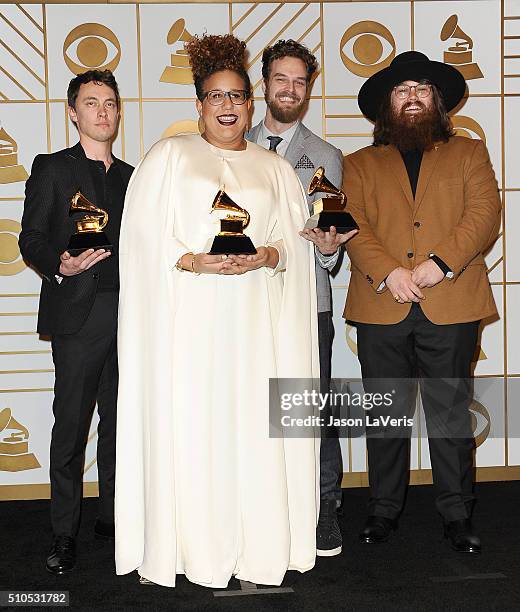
441 356
330 452
85 372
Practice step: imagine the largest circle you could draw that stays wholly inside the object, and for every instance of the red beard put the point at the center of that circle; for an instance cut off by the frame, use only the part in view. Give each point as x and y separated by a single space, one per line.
419 131
281 114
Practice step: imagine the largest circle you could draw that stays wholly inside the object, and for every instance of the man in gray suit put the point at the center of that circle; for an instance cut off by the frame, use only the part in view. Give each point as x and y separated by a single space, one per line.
287 69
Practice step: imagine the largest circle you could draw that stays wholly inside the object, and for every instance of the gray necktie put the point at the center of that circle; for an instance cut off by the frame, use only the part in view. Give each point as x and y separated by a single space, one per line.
274 141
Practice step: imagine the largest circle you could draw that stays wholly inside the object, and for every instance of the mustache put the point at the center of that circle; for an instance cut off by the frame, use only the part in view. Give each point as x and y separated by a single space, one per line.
411 104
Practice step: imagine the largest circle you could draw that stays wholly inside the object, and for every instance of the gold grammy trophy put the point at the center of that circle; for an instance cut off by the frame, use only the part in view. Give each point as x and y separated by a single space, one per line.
231 239
90 234
331 209
14 447
461 55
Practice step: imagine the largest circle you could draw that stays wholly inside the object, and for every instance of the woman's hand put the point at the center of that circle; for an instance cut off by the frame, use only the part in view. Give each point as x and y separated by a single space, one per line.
202 263
239 264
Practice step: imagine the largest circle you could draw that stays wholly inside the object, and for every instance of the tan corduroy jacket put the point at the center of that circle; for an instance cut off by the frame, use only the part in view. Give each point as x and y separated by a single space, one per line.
455 215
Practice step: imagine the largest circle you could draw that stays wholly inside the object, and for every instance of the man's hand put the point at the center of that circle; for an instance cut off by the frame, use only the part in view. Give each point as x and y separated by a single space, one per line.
70 266
327 242
427 274
403 287
239 264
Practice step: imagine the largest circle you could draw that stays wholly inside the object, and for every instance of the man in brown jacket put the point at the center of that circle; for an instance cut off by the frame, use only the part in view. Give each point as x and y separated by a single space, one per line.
427 206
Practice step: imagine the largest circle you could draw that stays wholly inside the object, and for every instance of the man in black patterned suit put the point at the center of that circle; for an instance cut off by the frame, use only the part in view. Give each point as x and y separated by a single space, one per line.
288 68
78 303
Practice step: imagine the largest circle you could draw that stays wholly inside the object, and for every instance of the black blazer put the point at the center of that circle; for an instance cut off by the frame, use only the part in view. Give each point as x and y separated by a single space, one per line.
46 230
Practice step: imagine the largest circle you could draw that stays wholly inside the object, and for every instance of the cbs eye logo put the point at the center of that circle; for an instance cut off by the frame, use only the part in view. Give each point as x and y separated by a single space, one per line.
11 261
468 127
480 422
372 46
94 46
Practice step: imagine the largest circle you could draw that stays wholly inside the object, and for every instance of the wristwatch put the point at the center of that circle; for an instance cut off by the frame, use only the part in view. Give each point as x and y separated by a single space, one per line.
448 272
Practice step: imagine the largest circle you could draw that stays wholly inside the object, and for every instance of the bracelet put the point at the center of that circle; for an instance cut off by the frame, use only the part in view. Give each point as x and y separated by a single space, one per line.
193 265
179 266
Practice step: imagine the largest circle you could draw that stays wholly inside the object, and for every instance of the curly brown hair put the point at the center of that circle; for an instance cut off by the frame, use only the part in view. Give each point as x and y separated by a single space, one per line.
213 53
288 48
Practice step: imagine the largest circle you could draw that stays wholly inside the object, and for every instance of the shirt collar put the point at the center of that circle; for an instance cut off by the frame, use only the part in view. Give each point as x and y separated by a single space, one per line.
287 135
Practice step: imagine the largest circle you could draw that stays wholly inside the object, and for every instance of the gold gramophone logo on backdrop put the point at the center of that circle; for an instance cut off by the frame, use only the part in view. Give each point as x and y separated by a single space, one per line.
93 48
10 170
479 355
460 56
468 127
179 71
14 445
367 48
11 261
184 126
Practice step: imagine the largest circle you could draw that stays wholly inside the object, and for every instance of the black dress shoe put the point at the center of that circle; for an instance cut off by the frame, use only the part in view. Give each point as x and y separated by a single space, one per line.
377 529
62 557
461 536
104 531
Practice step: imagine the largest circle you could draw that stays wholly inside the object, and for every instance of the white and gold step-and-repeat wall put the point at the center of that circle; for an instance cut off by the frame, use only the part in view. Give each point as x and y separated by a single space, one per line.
43 45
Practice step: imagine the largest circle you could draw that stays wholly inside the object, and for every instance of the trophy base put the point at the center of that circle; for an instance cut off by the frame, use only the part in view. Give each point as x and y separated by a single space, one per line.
88 240
342 221
232 245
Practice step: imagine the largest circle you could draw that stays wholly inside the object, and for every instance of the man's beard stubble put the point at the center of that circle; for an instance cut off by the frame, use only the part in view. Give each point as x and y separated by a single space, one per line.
289 115
414 132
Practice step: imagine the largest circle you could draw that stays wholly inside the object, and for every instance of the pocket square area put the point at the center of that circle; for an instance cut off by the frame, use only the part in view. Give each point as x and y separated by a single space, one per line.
305 162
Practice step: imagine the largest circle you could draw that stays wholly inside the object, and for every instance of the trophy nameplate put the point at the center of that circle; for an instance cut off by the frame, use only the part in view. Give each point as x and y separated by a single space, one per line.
231 239
331 210
89 234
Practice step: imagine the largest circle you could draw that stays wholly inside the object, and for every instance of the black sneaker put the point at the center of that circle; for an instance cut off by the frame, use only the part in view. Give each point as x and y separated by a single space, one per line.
328 535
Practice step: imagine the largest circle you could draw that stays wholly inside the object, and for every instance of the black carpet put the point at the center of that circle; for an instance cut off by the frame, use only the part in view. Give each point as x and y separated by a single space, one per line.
415 570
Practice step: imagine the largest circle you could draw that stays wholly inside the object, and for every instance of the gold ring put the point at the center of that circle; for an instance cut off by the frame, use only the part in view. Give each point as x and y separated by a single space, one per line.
396 298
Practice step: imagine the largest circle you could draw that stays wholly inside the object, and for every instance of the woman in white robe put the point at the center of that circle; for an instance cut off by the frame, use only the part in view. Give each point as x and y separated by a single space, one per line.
201 488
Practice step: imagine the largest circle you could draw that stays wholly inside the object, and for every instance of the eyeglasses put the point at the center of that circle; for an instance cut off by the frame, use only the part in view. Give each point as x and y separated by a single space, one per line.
423 90
217 97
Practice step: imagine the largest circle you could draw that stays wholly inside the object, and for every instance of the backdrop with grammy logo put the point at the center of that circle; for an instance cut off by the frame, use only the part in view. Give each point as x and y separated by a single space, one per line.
44 45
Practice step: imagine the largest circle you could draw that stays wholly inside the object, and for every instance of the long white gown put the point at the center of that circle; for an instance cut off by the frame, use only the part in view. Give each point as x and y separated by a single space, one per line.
201 488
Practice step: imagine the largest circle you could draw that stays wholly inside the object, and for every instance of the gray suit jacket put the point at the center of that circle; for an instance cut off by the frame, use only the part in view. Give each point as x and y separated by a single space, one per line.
305 153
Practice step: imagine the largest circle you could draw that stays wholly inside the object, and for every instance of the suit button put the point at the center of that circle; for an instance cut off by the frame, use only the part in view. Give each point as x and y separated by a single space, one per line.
95 275
417 224
410 255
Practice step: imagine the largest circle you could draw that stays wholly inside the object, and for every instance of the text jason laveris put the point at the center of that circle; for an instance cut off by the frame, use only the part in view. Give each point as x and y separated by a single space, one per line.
367 421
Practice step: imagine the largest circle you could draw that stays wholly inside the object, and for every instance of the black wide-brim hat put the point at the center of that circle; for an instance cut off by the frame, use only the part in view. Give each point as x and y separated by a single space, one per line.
411 66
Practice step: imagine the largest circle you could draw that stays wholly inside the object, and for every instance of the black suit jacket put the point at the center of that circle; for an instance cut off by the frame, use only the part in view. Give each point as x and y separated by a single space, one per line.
46 230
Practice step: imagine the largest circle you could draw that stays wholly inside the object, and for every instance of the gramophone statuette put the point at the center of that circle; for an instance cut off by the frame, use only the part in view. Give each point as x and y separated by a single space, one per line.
331 210
89 229
231 239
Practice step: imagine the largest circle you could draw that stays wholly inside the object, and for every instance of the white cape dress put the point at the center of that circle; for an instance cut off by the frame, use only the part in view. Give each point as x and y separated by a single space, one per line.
201 488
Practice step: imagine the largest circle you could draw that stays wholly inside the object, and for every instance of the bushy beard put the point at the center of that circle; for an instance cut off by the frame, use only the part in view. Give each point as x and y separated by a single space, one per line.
409 132
284 115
